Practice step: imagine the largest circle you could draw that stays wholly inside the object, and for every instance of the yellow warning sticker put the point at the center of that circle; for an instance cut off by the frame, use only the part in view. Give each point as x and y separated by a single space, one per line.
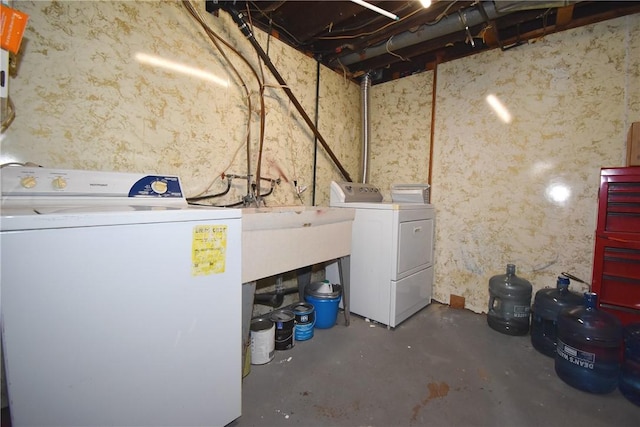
208 249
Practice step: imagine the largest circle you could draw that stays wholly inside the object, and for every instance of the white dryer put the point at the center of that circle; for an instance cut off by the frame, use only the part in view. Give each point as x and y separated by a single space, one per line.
392 253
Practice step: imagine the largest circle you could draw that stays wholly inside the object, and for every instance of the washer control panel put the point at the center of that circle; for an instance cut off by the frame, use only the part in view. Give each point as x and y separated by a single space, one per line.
33 181
353 192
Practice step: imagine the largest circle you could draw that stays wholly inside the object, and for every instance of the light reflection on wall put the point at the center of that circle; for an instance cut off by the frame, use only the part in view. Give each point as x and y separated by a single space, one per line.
498 108
157 61
558 193
541 168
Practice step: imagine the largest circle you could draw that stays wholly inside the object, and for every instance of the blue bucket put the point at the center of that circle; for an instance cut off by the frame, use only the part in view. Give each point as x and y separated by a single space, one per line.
325 304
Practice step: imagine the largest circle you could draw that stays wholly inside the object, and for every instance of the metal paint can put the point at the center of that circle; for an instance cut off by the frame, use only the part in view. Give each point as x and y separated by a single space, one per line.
262 341
285 322
305 320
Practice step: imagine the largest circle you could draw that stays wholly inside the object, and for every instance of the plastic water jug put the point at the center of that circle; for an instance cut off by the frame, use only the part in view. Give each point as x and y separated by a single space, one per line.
547 304
509 303
588 348
630 373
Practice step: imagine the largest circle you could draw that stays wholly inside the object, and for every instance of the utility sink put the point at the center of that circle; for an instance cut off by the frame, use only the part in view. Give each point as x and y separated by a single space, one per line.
284 238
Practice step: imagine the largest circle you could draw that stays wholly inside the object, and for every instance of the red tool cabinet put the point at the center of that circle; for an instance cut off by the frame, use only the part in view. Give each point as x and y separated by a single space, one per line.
616 264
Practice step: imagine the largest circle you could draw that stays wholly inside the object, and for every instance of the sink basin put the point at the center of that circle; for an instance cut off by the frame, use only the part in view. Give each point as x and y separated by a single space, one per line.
283 238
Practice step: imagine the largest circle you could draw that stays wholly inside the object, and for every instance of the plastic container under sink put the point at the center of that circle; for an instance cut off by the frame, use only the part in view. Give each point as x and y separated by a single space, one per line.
325 298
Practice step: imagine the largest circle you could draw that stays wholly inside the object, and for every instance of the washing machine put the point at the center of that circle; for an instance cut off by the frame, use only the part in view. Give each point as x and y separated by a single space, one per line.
391 268
121 304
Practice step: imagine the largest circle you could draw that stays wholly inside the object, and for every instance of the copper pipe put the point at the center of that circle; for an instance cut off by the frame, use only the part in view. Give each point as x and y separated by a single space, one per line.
433 124
238 18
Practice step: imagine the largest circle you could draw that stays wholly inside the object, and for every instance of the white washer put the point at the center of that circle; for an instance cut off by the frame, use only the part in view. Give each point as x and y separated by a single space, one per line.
391 266
121 304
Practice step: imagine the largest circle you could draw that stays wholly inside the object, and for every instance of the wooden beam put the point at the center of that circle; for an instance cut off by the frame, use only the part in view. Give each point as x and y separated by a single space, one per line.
564 16
490 35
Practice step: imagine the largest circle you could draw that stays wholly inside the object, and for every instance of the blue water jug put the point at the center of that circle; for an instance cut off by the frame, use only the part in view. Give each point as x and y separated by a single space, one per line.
509 303
630 372
547 304
588 348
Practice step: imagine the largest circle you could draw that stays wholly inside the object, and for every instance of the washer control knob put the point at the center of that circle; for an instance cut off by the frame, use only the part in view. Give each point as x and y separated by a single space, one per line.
28 181
59 183
159 187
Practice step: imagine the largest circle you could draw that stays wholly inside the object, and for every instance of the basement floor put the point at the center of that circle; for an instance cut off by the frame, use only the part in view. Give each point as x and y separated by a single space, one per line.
441 367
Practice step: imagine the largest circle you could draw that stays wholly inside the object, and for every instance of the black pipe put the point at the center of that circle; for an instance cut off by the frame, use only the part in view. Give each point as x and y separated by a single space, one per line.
273 299
211 196
315 141
238 18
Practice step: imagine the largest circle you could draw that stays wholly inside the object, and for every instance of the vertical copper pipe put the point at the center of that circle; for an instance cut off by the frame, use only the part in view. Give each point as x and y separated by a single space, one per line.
433 122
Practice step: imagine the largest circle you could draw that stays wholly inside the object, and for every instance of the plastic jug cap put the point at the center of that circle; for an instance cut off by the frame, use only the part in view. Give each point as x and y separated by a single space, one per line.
563 284
590 300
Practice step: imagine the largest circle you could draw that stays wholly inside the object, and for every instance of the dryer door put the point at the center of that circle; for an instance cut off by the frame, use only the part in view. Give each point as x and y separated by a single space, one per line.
415 246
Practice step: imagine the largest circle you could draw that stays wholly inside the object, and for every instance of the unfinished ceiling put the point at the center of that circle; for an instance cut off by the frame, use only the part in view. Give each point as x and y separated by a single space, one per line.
354 40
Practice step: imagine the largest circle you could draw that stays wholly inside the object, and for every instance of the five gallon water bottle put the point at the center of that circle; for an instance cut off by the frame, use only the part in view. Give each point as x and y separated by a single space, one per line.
547 304
588 348
509 303
630 373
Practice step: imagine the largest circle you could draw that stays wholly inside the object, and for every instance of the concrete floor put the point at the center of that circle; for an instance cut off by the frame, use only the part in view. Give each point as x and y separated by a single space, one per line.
441 367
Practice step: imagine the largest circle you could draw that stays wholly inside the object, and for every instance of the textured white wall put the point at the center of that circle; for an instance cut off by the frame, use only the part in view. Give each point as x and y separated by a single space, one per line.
83 100
572 97
400 132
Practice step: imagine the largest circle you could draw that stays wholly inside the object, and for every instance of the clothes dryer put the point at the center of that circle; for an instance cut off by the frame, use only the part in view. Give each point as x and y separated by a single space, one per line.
391 267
